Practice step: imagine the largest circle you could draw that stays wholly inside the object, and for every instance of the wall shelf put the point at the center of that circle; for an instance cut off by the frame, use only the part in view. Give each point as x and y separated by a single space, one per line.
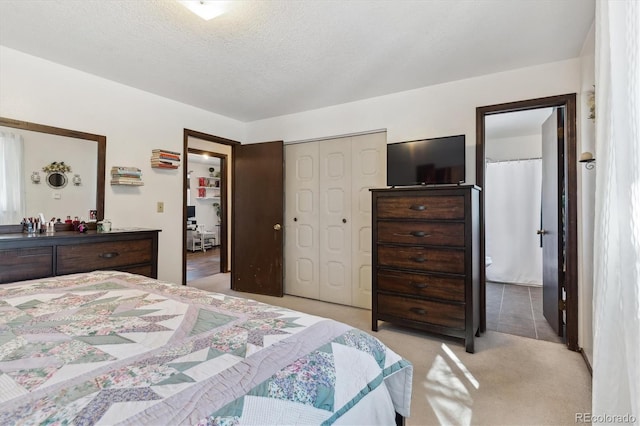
164 159
126 176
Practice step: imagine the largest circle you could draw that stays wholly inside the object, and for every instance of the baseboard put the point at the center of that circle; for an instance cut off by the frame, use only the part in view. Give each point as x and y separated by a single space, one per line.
586 361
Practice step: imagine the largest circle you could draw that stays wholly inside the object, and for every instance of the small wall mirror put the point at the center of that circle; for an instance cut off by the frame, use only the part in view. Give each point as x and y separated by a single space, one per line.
57 180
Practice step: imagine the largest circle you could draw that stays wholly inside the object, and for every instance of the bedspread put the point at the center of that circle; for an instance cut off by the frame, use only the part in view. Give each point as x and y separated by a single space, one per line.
115 348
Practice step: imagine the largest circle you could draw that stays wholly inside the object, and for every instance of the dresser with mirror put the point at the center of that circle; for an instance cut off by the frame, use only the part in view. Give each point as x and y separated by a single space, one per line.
61 173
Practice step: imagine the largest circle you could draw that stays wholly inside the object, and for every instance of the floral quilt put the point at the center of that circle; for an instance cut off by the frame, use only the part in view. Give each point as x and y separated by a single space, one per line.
115 348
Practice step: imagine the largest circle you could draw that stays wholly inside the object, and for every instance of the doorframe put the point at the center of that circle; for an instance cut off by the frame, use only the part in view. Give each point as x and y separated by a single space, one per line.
568 101
224 188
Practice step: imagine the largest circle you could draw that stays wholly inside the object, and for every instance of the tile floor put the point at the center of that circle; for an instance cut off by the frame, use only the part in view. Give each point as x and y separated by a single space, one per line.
516 309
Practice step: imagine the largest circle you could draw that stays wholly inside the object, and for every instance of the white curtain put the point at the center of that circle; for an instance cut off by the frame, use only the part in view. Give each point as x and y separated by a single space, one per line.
512 205
616 298
12 203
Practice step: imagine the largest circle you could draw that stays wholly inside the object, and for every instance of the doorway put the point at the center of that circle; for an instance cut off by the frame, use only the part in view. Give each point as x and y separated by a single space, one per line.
205 183
513 204
206 212
566 306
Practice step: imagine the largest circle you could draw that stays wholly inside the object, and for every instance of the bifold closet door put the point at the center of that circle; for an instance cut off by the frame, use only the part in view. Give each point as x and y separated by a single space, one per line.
302 276
368 170
328 217
335 220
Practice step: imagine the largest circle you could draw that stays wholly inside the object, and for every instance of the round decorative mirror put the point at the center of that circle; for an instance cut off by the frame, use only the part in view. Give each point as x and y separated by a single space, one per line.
57 180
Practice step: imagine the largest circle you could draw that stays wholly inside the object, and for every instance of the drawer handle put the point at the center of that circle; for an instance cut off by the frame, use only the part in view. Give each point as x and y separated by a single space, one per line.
418 234
109 255
418 311
418 207
418 285
419 259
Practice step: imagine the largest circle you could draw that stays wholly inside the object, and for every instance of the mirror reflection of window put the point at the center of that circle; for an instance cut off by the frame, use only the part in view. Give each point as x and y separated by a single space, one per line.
12 201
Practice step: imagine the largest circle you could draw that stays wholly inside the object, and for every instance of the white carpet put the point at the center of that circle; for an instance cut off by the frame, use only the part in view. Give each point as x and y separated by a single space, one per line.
510 380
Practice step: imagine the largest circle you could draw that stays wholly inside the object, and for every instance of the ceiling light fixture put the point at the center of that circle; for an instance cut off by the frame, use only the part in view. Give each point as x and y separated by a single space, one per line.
206 9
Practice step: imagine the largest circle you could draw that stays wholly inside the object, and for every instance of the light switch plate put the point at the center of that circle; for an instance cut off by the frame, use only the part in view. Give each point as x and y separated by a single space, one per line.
160 207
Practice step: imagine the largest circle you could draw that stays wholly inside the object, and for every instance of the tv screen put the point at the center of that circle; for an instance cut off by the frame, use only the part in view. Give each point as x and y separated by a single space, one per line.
191 212
426 161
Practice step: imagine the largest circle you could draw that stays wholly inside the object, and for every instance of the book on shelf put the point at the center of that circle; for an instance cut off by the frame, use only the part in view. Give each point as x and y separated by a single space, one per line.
136 182
161 165
165 159
165 151
116 170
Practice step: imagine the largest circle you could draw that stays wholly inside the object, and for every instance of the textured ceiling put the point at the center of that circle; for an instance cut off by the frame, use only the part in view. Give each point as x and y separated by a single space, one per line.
268 58
514 124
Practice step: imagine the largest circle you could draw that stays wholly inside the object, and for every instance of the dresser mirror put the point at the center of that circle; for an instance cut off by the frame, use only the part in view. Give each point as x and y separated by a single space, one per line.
26 149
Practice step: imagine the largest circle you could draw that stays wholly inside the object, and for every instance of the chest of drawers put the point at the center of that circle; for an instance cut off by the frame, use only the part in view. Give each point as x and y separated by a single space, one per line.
24 257
425 259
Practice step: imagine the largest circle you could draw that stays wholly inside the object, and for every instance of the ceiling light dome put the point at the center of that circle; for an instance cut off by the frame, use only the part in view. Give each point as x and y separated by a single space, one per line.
206 9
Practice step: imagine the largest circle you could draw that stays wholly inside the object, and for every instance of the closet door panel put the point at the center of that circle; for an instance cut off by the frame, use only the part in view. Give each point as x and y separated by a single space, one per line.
368 166
302 244
335 221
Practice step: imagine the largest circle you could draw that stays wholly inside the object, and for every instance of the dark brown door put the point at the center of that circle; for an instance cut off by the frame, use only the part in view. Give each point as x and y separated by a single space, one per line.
551 231
258 212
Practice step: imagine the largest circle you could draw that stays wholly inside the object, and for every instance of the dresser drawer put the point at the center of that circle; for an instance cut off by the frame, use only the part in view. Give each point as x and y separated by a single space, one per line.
445 288
26 263
442 314
113 254
421 258
145 270
430 233
434 207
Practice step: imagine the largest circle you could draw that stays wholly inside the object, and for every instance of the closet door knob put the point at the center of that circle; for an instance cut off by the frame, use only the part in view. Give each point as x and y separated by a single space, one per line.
541 232
277 227
295 219
344 220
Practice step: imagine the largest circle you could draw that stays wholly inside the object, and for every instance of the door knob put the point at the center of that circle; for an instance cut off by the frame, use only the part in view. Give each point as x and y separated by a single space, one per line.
344 220
277 227
541 232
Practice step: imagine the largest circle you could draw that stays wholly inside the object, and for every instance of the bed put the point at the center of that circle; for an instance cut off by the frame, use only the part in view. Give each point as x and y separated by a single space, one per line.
110 348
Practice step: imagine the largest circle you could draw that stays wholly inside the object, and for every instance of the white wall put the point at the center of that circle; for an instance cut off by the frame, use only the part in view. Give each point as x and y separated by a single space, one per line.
513 148
586 200
134 122
441 110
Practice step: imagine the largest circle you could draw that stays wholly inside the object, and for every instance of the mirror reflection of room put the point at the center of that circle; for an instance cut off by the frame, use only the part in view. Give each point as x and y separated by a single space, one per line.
203 215
32 185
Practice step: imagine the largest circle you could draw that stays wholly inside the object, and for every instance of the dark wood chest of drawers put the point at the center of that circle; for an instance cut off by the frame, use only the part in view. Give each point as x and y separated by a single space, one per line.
24 257
425 257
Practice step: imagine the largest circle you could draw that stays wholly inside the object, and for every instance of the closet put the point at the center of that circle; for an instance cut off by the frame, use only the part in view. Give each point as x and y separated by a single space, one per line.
328 216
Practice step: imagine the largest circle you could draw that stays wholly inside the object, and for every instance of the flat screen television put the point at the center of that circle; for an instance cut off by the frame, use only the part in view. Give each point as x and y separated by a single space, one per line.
433 161
191 212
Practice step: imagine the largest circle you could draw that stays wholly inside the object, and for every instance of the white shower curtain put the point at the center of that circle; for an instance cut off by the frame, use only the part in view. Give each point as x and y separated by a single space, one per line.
512 217
616 287
12 203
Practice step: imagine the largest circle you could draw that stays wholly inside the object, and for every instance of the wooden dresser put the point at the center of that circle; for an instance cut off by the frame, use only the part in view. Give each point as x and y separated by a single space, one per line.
425 259
24 256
